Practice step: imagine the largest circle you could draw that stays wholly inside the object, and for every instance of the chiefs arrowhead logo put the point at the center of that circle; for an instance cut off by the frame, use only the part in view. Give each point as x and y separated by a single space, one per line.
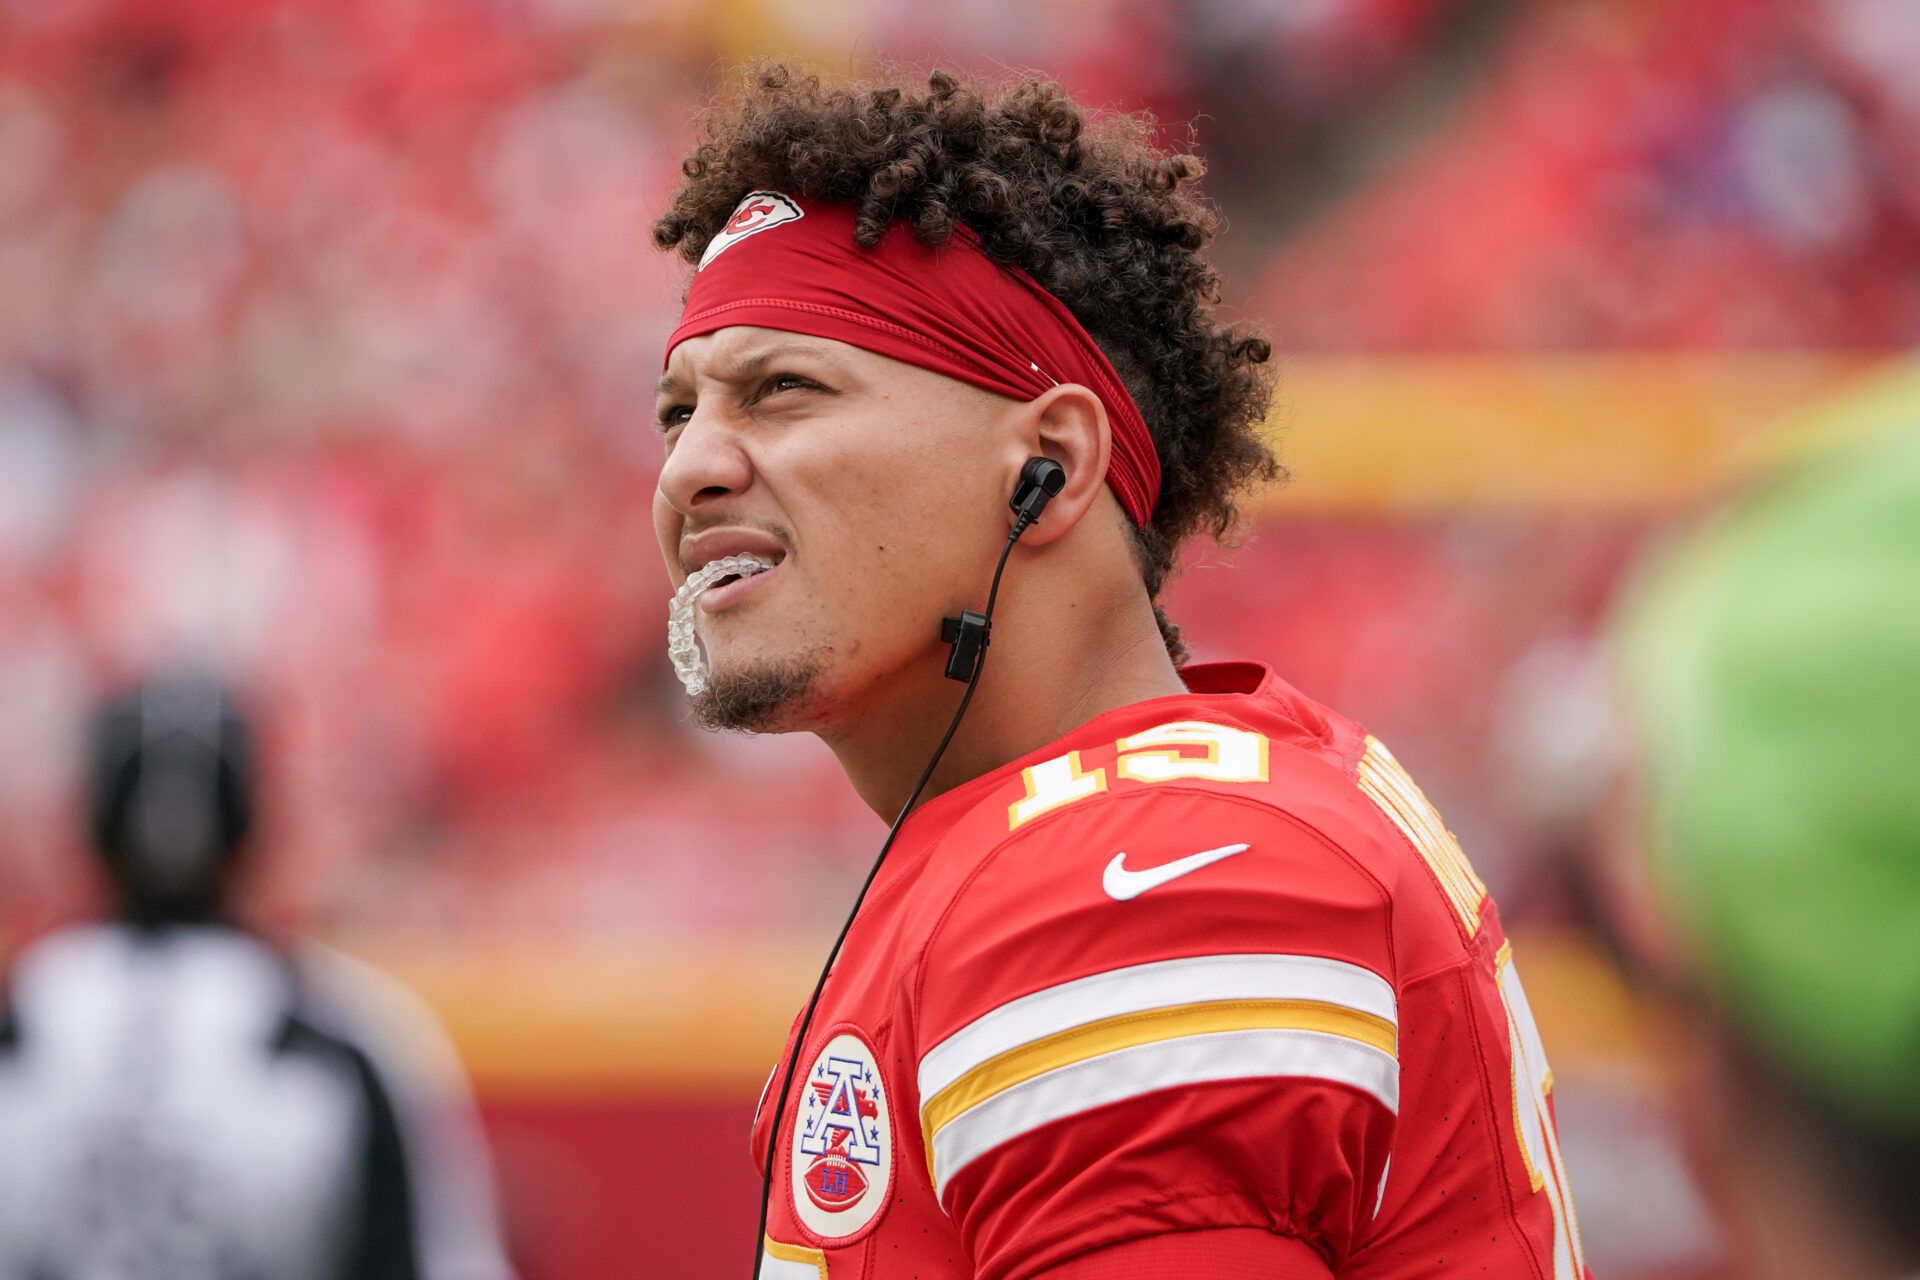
758 212
749 214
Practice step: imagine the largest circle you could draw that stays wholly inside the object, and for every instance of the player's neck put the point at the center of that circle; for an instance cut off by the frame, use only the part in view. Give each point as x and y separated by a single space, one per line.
1091 647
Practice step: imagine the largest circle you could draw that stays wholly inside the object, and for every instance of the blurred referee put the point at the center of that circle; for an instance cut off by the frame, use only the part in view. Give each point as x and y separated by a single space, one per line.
181 1101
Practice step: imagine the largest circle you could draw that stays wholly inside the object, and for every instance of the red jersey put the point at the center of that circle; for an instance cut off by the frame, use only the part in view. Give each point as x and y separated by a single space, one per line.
1209 961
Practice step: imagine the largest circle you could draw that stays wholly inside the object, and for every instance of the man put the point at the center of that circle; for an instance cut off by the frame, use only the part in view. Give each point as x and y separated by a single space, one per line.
1176 972
179 1099
1773 663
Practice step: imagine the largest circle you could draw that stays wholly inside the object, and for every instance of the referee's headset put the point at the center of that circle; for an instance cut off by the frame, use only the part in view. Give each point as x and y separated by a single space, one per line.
1040 480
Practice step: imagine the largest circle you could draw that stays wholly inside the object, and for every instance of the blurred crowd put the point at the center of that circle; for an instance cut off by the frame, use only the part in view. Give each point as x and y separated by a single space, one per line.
328 333
1718 174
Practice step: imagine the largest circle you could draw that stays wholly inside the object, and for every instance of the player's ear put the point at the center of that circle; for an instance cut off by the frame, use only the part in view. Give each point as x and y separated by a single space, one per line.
1069 425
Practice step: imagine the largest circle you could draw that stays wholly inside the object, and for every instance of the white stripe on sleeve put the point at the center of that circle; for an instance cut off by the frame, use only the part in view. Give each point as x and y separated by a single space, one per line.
1163 1064
1159 985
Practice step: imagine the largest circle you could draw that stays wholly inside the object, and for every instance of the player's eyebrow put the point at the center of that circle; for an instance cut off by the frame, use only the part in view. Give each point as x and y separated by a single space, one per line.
747 368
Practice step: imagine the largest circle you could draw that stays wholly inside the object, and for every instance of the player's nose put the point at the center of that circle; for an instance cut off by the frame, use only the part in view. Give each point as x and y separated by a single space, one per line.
707 465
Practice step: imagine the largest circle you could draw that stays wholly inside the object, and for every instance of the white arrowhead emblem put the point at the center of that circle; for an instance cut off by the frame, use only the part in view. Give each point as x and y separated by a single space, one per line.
1122 884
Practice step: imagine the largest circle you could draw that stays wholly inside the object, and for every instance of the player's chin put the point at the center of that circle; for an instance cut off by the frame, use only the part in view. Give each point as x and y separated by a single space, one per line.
763 695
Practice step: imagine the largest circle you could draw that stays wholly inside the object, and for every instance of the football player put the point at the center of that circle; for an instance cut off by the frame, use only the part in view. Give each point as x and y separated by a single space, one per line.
1169 970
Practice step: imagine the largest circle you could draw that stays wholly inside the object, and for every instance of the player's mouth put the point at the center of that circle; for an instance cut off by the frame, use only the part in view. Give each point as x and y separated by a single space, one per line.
745 574
727 564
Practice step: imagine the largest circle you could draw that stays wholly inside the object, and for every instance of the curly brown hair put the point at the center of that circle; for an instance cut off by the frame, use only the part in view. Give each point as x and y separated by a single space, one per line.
1105 221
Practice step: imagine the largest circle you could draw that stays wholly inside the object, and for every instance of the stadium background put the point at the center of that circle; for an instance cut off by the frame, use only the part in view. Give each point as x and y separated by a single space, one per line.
327 340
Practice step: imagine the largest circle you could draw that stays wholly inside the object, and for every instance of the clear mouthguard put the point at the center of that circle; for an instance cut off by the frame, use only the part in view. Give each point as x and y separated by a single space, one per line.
683 646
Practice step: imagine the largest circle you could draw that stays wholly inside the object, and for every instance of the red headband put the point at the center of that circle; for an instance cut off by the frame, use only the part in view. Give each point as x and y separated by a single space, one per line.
950 309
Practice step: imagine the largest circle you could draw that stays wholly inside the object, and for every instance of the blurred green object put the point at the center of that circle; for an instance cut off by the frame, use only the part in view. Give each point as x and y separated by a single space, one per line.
1772 665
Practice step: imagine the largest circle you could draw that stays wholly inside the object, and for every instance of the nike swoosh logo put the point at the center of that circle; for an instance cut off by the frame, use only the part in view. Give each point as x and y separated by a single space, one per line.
1122 884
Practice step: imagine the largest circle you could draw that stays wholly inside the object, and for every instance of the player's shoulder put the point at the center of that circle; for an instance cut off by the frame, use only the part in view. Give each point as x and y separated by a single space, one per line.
1244 759
1246 818
1218 815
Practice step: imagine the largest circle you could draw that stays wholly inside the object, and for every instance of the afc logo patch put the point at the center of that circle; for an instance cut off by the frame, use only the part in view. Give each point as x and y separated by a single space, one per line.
756 212
842 1158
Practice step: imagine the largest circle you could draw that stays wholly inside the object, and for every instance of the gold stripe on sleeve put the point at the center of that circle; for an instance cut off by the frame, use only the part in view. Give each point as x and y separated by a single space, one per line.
1128 1030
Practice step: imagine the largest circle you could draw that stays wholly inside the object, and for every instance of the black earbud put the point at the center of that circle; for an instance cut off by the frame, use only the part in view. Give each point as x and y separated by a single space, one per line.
1040 479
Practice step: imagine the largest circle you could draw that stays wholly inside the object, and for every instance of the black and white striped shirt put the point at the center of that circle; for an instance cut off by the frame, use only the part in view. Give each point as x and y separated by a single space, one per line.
192 1104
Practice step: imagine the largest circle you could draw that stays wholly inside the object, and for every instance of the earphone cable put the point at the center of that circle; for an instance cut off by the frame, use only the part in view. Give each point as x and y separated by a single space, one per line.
813 1002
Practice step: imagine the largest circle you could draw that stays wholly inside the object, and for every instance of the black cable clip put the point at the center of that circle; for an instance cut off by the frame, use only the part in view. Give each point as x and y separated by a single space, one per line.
968 636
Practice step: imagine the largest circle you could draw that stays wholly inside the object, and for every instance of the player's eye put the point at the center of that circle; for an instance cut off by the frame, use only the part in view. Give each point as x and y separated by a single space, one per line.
779 382
673 415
